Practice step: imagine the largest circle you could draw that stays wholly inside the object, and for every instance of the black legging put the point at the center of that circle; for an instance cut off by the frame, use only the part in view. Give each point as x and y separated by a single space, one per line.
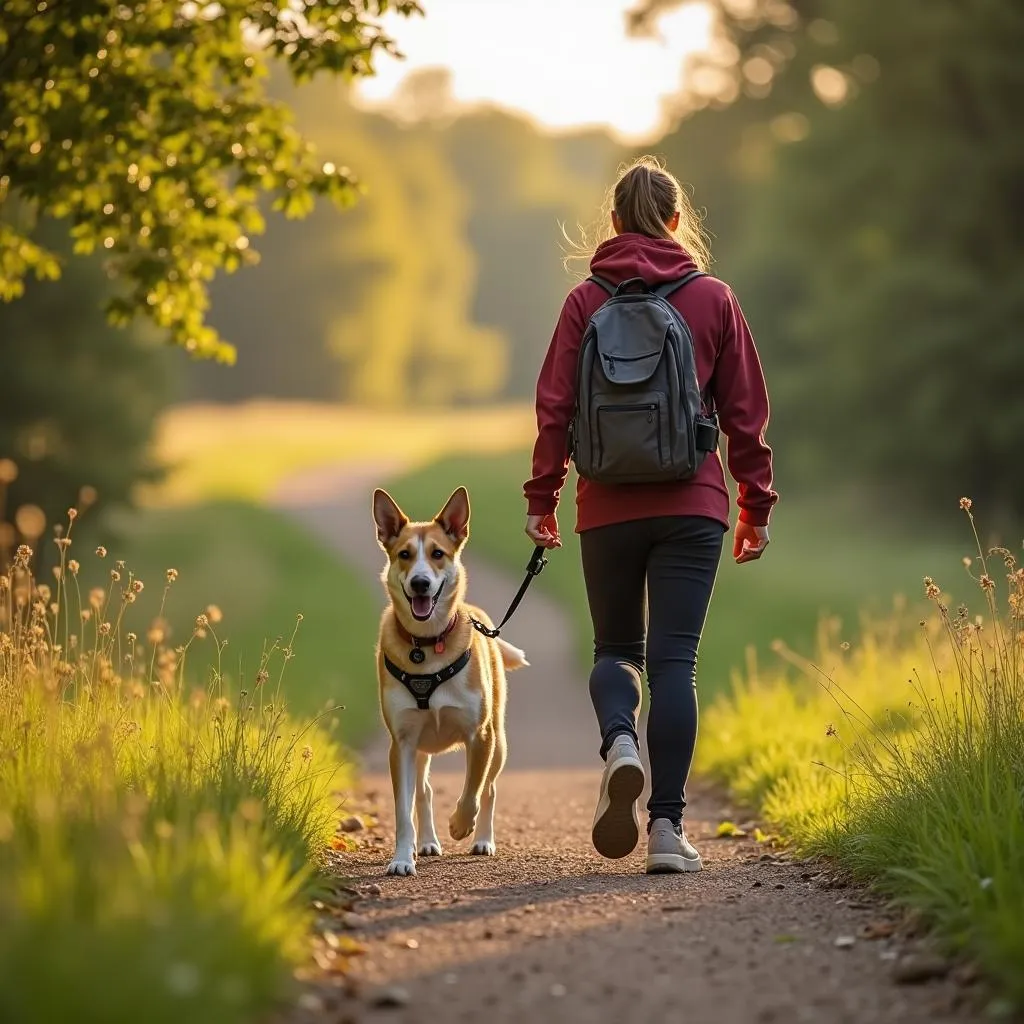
675 560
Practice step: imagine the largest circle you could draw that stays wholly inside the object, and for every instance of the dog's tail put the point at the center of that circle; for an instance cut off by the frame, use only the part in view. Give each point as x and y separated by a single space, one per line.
511 656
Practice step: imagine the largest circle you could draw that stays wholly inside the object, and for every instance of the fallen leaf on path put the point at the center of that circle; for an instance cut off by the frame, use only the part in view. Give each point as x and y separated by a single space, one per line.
729 830
342 843
877 930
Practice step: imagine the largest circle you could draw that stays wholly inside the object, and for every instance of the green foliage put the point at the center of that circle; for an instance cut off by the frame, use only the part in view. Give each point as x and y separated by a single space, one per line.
156 841
441 286
148 127
914 786
78 398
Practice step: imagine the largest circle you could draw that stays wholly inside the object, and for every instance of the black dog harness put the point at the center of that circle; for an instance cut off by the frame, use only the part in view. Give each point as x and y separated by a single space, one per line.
422 687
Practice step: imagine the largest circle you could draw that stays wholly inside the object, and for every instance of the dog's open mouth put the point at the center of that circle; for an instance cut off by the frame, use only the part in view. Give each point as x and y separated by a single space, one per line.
422 605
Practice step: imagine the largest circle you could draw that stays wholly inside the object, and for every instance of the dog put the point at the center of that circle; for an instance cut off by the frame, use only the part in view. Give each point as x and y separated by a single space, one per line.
441 680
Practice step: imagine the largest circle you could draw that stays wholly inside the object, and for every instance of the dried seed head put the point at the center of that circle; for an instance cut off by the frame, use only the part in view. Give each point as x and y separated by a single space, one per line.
131 638
986 582
202 622
965 504
138 586
172 575
44 592
115 575
101 551
104 629
97 596
72 514
119 564
307 753
262 676
214 614
73 566
931 591
22 556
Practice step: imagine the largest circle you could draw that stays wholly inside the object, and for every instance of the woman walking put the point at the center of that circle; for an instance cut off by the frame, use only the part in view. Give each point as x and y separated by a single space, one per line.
651 548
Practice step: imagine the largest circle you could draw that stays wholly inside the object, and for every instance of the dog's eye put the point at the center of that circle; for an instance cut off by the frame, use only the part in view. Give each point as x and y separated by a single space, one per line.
403 555
437 554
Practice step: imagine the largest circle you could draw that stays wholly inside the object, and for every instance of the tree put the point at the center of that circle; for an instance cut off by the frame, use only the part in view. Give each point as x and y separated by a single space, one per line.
147 126
879 255
78 397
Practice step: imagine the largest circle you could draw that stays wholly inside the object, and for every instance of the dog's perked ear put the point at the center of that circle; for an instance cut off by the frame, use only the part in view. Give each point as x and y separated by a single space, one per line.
390 519
454 517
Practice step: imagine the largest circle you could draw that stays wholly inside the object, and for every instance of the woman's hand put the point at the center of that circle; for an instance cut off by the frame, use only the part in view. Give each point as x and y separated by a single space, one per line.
543 530
749 542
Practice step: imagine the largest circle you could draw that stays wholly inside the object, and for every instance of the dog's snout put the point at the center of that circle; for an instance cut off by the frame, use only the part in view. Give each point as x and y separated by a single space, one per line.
420 585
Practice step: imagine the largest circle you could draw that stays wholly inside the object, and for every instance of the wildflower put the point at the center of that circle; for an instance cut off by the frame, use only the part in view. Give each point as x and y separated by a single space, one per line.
214 614
986 582
172 575
101 551
202 621
72 514
23 556
104 629
307 753
73 566
137 586
115 575
965 504
831 730
931 591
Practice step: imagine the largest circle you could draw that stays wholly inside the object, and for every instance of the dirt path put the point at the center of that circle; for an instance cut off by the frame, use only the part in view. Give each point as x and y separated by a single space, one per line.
549 931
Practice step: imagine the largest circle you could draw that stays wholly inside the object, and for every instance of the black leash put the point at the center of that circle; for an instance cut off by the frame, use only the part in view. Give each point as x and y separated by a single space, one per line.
534 568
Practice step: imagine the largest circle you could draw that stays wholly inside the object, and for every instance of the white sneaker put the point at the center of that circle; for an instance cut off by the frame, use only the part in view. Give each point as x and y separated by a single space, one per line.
669 851
616 830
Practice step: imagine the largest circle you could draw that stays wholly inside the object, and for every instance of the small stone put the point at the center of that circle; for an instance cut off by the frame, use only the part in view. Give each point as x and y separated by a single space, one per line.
311 1002
353 920
558 990
756 884
844 942
373 890
780 885
451 979
392 997
671 908
351 824
411 944
917 968
488 934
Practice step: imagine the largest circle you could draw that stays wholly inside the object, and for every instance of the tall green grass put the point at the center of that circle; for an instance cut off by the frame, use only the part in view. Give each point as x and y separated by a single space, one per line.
156 840
903 758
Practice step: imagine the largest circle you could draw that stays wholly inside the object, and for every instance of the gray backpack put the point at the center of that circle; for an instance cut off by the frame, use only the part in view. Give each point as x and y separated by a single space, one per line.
639 414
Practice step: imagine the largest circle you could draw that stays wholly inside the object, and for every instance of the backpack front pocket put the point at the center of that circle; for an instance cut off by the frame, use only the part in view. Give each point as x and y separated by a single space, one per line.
631 439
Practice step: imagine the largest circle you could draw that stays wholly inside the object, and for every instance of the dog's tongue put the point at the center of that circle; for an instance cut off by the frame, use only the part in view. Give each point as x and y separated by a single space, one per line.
422 607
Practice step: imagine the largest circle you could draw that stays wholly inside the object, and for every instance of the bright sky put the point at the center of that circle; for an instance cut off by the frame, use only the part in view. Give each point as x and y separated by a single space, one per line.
567 63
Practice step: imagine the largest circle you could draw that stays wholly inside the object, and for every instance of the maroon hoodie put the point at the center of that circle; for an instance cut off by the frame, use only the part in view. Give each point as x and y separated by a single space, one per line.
725 355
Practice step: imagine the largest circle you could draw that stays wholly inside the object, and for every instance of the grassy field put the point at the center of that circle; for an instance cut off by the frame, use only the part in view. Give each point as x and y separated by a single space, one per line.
905 764
159 835
261 571
245 451
822 565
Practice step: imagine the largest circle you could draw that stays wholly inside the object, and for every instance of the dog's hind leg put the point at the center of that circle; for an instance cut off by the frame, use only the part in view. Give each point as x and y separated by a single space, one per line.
403 780
483 839
429 844
479 752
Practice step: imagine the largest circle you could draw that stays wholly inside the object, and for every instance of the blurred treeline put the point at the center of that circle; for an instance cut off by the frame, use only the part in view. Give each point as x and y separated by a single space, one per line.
861 166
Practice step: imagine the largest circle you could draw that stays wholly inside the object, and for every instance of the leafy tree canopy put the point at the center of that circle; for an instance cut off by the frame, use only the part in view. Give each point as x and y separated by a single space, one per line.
147 126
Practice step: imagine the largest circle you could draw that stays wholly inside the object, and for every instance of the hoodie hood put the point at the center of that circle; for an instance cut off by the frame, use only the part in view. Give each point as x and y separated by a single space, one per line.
628 255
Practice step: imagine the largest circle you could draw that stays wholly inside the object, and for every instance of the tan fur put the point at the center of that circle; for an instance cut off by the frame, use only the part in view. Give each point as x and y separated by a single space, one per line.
467 711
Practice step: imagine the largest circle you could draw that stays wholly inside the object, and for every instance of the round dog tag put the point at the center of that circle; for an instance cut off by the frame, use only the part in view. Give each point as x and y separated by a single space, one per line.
416 656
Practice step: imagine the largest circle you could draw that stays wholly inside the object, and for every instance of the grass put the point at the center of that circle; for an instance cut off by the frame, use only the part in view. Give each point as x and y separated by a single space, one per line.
261 570
158 841
902 757
822 561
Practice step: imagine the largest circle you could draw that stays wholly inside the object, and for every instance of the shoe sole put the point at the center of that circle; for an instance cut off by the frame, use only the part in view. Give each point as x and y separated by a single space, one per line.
616 830
671 864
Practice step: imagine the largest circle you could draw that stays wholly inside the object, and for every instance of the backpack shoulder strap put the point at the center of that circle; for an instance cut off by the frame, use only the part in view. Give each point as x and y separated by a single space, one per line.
606 285
666 289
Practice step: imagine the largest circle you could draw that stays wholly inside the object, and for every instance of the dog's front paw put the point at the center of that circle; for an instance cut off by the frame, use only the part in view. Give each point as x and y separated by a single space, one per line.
484 848
402 865
463 820
431 848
